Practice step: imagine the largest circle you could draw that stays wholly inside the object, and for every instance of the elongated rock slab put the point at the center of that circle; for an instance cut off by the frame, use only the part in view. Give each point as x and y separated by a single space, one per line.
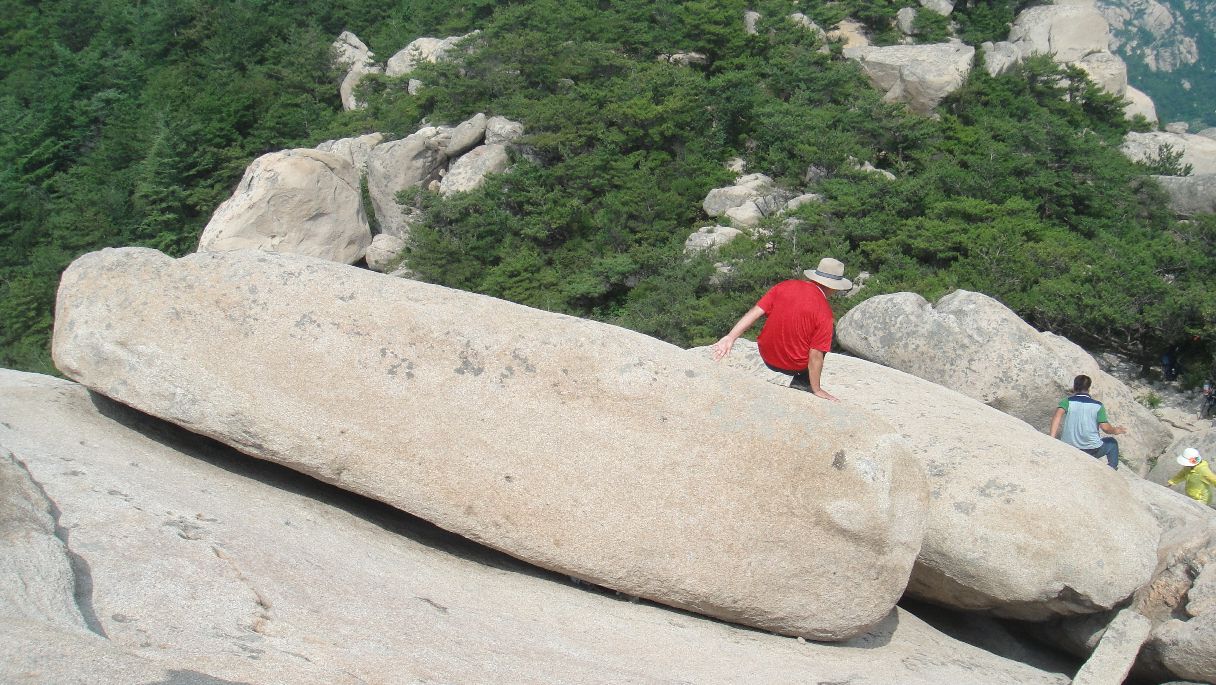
577 446
1020 525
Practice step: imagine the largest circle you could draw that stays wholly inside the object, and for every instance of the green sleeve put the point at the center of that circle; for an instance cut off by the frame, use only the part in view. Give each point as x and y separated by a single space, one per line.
1102 415
1064 404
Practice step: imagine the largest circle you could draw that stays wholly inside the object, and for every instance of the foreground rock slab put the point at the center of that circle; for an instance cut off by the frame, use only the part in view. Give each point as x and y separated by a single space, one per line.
1008 533
577 446
204 566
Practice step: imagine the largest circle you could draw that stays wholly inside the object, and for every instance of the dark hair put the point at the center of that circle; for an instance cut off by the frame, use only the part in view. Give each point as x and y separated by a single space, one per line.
1081 383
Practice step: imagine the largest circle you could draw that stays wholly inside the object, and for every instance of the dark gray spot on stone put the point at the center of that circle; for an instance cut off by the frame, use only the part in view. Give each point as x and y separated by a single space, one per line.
838 460
964 507
523 361
442 609
179 677
690 373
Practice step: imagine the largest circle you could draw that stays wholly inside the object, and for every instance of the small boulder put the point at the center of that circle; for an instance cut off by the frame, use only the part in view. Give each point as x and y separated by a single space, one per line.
709 238
300 201
422 50
905 20
1000 57
351 53
942 7
503 131
470 169
750 19
1107 70
1139 102
466 136
384 252
746 189
1190 195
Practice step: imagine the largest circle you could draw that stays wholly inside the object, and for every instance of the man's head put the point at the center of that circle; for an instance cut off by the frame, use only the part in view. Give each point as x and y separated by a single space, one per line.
829 274
1081 383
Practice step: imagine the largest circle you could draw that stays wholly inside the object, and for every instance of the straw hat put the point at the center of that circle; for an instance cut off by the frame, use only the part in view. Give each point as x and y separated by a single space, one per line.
830 274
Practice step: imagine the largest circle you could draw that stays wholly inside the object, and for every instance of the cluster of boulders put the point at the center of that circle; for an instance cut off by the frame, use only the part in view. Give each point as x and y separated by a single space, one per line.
310 201
614 458
359 61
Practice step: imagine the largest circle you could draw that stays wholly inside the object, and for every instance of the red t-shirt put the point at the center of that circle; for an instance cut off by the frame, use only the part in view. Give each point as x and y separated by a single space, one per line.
799 319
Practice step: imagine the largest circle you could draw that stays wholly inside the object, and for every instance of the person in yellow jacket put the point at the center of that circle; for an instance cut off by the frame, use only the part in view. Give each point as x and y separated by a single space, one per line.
1197 474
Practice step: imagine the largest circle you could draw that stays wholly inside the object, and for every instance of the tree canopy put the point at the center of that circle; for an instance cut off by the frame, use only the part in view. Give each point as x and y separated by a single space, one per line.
129 123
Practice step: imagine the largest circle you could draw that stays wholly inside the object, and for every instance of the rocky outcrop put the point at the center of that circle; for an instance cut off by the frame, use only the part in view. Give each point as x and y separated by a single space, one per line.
942 7
708 238
1139 103
852 36
919 75
1190 195
297 201
1197 151
194 559
1000 57
577 446
392 167
746 203
503 131
971 342
470 170
358 60
354 150
1006 533
384 251
1067 32
422 50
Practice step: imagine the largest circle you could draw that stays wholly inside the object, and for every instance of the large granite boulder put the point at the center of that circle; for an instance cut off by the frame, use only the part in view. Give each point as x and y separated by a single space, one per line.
299 201
1139 102
469 170
355 150
350 53
1008 531
422 50
919 75
1198 151
392 167
580 447
978 346
196 565
1067 32
1190 195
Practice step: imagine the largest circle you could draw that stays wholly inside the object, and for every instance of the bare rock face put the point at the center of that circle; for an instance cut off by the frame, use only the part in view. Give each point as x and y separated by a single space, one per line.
394 166
503 131
467 135
746 189
579 447
919 75
422 50
1113 659
1107 70
298 201
851 34
709 238
1139 102
354 150
196 559
1198 151
973 343
942 7
351 53
1007 533
1190 195
1000 57
1067 32
469 171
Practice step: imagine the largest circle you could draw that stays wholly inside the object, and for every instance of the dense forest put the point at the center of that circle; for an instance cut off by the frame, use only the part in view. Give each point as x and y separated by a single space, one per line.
127 123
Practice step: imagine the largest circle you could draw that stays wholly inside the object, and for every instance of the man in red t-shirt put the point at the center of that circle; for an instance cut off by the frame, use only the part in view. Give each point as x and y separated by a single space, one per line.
797 334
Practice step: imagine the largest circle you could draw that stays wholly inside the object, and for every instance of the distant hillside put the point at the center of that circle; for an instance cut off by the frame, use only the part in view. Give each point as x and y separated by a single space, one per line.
1170 50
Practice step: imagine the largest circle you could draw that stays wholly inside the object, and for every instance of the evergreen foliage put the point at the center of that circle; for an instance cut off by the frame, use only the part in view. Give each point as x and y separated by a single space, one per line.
128 123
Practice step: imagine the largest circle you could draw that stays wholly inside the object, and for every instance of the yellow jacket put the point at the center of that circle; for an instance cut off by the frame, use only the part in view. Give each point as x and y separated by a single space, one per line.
1197 478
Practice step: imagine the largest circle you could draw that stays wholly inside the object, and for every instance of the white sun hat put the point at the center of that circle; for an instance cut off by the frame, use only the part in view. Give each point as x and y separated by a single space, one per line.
1189 457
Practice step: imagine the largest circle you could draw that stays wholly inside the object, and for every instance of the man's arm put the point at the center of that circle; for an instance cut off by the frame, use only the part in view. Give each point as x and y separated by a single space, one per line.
1056 419
723 346
814 368
1113 430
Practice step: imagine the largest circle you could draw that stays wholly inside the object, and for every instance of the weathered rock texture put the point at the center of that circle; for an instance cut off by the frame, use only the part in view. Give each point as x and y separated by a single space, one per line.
359 61
577 446
1190 195
354 150
710 238
1007 532
1198 151
919 75
1116 652
384 250
392 167
422 50
1140 103
299 201
197 559
1067 32
978 346
470 170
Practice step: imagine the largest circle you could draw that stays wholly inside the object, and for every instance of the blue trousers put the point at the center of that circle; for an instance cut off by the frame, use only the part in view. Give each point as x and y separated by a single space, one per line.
1109 449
